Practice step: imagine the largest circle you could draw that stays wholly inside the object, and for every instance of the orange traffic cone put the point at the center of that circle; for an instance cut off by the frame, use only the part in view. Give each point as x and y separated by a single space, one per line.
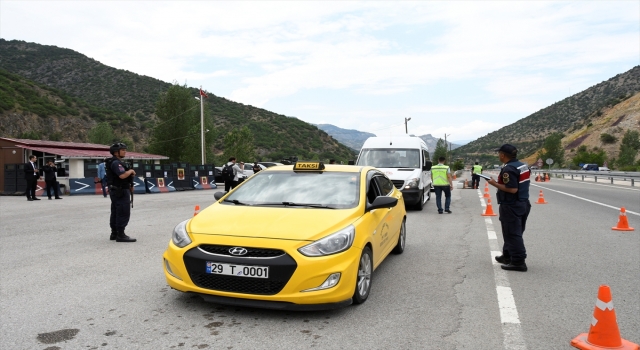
466 183
489 211
623 223
454 176
196 210
546 177
541 199
486 191
604 332
538 178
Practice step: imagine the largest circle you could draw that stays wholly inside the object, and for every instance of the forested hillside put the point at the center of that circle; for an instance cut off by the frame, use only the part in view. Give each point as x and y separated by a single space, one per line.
132 97
566 116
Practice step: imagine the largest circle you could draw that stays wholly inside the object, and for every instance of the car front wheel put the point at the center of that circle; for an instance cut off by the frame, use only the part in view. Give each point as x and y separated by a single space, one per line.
363 283
399 248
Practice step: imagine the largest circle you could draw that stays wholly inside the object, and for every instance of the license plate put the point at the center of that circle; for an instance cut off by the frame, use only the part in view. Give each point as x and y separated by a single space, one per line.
217 268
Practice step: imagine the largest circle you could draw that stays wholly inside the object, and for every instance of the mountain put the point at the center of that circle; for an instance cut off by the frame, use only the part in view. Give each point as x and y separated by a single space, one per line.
432 142
352 138
128 96
568 116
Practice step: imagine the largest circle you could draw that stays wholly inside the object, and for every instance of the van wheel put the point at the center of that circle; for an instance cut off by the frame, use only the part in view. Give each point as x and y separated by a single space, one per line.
420 203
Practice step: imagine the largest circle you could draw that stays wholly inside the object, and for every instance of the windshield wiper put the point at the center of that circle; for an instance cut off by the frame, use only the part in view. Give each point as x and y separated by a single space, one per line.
235 201
312 205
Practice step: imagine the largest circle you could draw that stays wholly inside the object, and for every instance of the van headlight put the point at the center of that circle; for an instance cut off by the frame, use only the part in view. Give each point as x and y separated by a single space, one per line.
332 244
180 237
413 183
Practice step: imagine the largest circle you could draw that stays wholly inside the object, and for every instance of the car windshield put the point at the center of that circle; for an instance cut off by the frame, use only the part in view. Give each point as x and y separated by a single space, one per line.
327 189
390 158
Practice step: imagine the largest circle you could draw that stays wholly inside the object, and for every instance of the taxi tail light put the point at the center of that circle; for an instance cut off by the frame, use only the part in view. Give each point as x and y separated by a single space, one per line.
330 282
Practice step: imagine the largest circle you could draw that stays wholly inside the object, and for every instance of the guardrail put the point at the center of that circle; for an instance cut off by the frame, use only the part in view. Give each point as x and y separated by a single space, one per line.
582 174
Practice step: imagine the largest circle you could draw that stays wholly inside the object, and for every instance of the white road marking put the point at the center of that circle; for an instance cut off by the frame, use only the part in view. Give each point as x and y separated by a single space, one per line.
598 184
511 328
588 200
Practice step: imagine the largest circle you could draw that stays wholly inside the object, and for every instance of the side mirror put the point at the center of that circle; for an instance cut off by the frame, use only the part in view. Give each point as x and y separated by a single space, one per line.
382 202
427 165
218 195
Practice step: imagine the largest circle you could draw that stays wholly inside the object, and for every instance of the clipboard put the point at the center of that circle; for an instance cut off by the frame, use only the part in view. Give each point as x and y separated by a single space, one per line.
484 176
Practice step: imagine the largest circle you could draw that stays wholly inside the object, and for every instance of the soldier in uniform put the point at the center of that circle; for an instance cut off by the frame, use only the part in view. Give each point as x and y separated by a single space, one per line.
513 198
120 181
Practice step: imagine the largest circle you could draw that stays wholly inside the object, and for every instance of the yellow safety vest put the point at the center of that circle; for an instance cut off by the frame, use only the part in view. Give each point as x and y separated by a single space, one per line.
477 169
439 173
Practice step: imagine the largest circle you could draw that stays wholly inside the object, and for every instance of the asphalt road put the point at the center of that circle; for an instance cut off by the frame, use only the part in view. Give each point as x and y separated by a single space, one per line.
64 285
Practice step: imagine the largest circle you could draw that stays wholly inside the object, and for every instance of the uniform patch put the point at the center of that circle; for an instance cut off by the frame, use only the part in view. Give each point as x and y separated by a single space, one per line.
120 167
505 178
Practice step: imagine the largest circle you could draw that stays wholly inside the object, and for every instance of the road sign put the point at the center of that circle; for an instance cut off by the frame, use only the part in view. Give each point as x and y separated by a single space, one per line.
549 161
539 162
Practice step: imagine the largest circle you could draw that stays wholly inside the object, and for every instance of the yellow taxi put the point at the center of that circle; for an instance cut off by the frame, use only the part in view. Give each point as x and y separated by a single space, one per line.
302 237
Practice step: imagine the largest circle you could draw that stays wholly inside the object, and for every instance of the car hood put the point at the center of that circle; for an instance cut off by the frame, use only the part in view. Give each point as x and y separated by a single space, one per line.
297 223
401 173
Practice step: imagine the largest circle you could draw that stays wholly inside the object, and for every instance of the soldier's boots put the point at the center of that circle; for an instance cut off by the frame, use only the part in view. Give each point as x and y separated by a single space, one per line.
114 233
122 237
503 260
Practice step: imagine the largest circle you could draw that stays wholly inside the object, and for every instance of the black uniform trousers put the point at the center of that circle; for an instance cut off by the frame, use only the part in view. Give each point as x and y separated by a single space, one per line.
120 209
475 181
52 185
32 184
513 218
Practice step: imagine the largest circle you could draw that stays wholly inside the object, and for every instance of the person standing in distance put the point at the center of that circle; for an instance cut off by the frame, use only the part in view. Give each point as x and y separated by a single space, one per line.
475 178
119 178
513 198
31 175
50 179
256 167
102 175
230 174
442 182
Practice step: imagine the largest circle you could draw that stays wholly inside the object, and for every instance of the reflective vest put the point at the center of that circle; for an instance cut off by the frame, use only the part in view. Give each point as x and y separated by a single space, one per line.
439 173
477 169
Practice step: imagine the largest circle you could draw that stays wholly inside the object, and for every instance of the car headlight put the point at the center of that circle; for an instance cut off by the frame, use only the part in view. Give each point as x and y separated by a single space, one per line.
332 244
180 237
413 183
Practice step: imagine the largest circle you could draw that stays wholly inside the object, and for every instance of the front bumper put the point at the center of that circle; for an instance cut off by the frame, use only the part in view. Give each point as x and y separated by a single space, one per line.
289 275
411 196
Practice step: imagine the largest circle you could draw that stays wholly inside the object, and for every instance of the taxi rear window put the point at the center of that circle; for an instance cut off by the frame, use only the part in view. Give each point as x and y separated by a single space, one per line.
331 189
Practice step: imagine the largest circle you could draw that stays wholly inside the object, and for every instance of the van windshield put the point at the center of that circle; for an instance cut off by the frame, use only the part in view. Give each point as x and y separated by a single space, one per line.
390 158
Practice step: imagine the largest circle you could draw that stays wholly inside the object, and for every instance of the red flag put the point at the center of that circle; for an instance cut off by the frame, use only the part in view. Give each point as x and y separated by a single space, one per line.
203 94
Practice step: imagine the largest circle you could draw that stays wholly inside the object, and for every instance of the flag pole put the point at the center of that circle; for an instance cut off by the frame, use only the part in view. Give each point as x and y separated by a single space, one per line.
202 124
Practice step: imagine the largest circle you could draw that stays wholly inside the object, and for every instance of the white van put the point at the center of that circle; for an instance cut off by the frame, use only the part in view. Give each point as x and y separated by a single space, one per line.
405 160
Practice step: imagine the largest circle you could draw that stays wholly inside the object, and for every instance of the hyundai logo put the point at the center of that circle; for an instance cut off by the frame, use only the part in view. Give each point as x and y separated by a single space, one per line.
237 251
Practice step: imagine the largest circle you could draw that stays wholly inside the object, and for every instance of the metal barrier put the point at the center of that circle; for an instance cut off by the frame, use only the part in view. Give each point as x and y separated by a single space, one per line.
204 183
608 176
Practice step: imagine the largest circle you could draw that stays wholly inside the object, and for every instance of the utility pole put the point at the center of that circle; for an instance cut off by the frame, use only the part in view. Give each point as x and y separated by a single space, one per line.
446 147
202 125
406 129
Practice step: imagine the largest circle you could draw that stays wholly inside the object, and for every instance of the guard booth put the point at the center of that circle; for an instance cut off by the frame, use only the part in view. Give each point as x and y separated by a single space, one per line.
91 168
181 176
161 170
10 178
138 167
147 171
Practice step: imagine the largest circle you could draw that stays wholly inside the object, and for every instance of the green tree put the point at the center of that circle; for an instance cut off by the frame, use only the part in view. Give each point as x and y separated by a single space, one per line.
102 134
553 149
629 148
239 143
608 138
458 164
177 131
584 156
440 151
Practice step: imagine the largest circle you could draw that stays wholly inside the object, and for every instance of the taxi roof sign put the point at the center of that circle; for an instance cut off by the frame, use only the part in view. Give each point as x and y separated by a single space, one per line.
308 166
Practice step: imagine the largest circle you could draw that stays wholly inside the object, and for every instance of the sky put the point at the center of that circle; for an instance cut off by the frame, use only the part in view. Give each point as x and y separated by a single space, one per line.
458 68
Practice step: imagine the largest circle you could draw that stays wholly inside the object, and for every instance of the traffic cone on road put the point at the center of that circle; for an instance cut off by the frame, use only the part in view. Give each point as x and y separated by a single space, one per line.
489 211
466 183
454 176
196 210
604 332
546 177
538 178
486 191
541 199
623 223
